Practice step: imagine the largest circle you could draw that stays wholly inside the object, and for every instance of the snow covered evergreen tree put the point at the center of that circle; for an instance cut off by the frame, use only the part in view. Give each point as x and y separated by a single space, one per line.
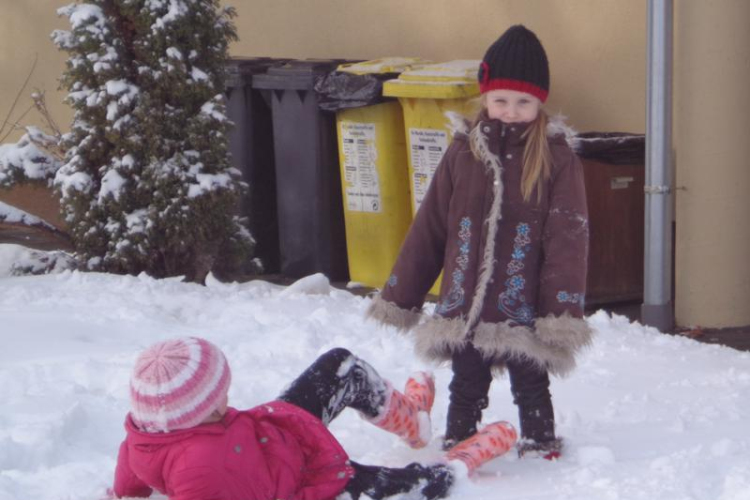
147 184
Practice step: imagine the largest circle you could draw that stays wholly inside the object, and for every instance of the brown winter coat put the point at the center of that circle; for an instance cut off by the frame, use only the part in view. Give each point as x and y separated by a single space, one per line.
514 271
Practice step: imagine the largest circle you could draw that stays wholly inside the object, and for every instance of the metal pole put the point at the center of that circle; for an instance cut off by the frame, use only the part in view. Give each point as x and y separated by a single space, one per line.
657 309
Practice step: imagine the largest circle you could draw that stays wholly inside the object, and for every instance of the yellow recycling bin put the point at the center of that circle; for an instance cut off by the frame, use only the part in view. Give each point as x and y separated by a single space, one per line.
433 97
374 178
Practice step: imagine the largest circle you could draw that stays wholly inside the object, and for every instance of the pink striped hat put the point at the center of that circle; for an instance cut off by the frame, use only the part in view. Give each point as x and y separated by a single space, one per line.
177 384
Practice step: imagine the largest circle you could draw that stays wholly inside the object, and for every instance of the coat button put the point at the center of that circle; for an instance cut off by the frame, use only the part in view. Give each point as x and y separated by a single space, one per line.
486 128
512 129
264 440
237 448
509 156
496 183
341 475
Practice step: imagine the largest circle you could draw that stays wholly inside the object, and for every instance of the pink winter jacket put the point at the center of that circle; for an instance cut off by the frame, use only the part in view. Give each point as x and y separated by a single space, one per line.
273 451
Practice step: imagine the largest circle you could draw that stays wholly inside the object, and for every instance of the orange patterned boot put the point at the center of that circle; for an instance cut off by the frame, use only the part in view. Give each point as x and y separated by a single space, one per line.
408 415
492 441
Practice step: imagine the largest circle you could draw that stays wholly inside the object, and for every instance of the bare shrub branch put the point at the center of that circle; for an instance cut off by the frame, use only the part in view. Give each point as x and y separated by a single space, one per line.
15 102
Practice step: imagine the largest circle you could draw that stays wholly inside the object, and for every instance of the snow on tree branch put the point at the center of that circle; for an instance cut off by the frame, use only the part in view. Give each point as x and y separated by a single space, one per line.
25 161
147 184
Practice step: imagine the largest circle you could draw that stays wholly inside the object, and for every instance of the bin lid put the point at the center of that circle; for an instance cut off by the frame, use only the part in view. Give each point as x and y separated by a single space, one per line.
383 65
617 148
447 80
239 71
296 74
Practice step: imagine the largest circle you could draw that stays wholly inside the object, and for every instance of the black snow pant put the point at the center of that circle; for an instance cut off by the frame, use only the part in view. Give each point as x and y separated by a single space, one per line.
337 380
469 389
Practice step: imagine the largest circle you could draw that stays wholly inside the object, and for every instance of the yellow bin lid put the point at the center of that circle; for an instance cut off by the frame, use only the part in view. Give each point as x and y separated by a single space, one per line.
448 80
384 65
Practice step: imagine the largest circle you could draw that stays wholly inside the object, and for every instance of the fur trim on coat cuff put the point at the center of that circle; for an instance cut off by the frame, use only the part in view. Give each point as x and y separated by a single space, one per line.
552 345
564 331
388 313
437 338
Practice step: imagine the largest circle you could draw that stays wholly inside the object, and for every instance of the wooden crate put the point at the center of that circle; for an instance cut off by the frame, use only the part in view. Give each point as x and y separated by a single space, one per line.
616 215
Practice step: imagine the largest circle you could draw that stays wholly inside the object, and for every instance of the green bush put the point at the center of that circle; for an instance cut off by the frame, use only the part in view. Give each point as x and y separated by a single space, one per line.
147 185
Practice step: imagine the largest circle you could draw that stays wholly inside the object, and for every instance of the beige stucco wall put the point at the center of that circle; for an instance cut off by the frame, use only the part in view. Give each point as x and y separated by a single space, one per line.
603 40
596 47
25 27
712 141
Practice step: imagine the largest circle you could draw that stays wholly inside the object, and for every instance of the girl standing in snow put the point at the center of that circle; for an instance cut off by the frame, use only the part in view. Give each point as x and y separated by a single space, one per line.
505 218
184 441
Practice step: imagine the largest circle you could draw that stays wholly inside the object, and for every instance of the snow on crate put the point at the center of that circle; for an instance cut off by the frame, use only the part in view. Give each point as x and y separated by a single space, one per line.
13 215
645 415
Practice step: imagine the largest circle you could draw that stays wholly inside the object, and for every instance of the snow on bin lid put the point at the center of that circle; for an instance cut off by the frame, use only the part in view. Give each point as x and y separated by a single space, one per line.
459 71
447 80
383 65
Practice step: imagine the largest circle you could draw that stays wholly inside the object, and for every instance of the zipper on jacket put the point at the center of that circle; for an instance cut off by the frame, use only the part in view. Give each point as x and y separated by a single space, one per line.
470 328
503 141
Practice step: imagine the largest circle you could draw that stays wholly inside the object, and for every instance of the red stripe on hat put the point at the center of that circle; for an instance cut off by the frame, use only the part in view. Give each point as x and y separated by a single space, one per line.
517 85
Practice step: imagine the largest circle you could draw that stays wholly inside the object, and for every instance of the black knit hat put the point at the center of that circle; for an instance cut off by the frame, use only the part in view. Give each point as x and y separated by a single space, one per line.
516 61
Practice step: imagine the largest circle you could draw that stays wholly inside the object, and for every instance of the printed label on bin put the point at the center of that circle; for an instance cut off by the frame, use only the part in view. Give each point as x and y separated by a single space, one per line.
427 148
360 167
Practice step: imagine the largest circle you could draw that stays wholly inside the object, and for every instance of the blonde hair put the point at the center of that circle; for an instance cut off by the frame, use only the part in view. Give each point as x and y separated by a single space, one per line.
537 158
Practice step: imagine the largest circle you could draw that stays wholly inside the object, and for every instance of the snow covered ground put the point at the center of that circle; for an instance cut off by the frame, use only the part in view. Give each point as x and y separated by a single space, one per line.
645 416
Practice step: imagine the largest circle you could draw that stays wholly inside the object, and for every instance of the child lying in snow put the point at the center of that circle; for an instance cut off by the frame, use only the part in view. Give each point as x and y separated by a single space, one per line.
184 441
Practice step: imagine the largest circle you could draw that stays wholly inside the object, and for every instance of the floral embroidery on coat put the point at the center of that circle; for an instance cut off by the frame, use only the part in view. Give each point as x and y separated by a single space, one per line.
512 301
456 295
570 298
